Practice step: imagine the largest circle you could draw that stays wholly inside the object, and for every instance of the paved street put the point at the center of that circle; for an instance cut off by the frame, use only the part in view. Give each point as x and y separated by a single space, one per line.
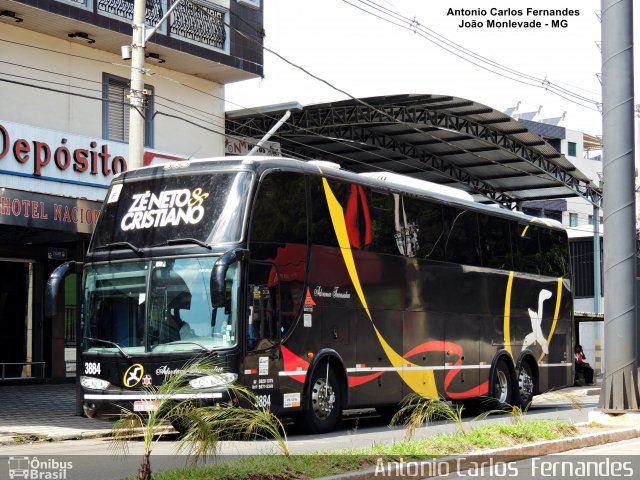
49 410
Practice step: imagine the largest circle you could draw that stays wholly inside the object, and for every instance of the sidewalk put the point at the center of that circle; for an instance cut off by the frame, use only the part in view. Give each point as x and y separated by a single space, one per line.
48 411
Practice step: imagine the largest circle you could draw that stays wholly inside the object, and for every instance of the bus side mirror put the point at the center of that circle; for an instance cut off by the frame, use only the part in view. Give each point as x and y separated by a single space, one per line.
53 286
217 284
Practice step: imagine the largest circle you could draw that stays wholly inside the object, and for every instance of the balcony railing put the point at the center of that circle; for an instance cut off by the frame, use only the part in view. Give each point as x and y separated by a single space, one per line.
201 22
123 10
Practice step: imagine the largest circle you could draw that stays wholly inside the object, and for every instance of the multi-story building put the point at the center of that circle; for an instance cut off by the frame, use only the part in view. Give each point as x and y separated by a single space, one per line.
577 215
64 116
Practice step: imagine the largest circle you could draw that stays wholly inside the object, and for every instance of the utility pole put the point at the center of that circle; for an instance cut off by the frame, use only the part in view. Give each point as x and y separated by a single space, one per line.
137 93
620 391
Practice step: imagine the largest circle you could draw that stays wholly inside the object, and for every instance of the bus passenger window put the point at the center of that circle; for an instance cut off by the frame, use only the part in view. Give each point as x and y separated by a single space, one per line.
461 236
382 223
527 258
495 242
428 218
553 248
280 214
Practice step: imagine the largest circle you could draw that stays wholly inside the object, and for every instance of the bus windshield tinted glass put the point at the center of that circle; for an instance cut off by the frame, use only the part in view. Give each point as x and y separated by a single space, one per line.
154 211
161 305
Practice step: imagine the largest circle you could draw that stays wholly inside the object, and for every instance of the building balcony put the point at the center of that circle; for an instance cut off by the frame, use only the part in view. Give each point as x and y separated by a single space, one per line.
218 40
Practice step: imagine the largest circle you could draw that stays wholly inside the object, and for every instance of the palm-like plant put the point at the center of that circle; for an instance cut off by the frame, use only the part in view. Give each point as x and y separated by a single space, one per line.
203 427
416 410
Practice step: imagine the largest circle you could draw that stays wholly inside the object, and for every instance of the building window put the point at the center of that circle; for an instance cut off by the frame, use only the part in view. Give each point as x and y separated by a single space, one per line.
573 219
115 110
571 149
250 3
582 268
591 220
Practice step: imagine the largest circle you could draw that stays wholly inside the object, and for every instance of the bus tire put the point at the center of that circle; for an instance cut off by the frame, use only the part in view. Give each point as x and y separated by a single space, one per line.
526 385
323 408
501 385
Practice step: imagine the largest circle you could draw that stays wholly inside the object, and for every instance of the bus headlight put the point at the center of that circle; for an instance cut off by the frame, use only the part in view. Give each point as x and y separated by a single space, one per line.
211 381
94 383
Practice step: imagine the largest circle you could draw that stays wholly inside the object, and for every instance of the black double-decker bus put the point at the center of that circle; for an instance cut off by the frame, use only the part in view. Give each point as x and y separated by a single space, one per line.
319 289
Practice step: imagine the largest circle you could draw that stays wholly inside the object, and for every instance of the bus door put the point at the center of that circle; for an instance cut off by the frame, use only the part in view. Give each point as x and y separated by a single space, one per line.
262 340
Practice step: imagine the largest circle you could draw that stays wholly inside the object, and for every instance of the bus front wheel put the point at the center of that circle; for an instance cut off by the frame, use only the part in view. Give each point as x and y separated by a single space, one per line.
323 404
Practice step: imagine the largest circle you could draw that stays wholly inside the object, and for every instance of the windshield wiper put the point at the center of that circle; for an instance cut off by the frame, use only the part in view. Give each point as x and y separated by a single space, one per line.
119 244
174 241
109 342
182 342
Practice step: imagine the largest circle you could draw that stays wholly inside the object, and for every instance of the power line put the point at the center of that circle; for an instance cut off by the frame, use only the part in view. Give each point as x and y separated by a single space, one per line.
122 103
377 110
117 102
48 81
443 42
308 73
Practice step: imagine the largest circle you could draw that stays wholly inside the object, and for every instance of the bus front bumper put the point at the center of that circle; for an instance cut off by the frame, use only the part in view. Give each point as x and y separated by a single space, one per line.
109 404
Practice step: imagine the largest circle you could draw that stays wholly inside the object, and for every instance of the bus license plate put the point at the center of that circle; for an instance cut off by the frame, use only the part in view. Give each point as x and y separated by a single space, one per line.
145 406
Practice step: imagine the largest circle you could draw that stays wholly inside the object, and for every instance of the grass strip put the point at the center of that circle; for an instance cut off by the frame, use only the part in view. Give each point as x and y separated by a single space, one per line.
299 467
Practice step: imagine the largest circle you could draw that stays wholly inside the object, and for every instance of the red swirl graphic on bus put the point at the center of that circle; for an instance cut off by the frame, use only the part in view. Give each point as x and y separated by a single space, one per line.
293 362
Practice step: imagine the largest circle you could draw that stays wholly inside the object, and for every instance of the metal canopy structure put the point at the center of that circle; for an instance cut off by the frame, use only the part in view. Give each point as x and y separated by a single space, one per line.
442 139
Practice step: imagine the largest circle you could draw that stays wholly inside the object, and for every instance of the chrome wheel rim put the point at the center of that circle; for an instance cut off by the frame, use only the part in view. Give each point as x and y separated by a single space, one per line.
502 386
525 384
323 398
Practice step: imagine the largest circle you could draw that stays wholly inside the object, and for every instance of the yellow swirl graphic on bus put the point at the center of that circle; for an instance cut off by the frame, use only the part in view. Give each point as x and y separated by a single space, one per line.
422 382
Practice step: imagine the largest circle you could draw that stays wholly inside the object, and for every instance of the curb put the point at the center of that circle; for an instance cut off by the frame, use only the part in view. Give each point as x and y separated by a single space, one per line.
509 454
79 435
10 439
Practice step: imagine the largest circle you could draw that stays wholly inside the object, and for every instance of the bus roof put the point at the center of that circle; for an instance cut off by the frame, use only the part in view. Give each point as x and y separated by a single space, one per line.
381 180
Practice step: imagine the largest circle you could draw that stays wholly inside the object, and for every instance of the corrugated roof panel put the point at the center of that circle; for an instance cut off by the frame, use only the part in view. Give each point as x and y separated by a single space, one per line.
467 138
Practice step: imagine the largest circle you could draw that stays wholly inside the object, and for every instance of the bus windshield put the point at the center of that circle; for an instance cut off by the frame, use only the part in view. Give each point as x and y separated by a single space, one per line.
157 305
206 208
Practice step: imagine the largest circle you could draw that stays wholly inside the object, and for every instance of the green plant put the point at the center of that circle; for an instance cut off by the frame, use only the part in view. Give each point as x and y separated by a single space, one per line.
203 427
30 438
337 463
415 410
517 414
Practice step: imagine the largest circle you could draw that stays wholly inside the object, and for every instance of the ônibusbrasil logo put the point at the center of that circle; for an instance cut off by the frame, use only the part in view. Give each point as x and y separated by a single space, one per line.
28 467
171 207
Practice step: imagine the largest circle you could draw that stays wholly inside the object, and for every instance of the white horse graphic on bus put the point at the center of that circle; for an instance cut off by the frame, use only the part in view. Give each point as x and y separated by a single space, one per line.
536 335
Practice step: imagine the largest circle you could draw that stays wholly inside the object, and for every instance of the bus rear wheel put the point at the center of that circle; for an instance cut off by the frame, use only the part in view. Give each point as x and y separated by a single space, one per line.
323 404
501 385
526 385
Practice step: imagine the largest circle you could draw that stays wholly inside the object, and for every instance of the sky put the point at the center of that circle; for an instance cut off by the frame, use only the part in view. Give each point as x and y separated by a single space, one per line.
365 55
